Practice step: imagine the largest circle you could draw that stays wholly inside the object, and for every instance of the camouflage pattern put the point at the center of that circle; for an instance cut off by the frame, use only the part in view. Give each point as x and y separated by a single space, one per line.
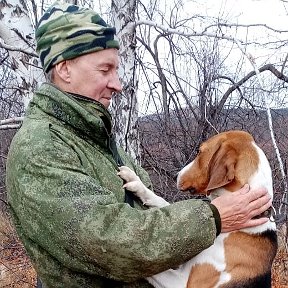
68 206
67 31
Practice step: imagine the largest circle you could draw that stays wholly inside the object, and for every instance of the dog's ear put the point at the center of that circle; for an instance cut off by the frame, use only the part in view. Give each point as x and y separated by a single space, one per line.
222 167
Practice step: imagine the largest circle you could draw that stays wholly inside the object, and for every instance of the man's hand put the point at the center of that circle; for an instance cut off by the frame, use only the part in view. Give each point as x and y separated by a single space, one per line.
238 208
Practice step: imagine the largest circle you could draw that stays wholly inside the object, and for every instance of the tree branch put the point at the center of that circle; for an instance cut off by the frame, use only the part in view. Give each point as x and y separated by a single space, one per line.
169 30
229 25
10 126
13 120
267 67
11 123
18 49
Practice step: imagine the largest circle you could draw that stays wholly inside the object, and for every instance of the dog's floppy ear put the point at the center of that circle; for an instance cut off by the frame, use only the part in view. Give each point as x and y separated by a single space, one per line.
222 167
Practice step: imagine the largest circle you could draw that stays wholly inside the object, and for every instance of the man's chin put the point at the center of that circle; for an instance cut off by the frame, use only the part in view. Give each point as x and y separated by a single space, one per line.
106 102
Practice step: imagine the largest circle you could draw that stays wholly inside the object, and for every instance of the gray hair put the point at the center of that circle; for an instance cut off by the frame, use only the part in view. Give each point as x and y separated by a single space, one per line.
50 75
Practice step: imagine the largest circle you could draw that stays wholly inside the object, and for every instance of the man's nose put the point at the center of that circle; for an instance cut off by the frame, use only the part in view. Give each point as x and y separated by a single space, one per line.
115 83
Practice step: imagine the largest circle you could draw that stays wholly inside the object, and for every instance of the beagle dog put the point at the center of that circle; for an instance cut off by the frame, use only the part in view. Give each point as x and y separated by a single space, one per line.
237 259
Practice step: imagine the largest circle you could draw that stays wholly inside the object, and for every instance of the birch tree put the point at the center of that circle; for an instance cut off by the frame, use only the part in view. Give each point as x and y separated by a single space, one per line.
124 105
17 38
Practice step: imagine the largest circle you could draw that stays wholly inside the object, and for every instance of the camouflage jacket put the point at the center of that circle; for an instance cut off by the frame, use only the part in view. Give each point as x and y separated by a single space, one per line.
67 202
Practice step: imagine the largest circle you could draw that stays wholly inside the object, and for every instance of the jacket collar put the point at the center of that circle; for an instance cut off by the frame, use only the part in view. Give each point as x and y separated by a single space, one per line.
86 115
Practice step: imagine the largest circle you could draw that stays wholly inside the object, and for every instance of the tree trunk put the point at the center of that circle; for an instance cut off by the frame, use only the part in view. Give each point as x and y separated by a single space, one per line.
124 106
17 37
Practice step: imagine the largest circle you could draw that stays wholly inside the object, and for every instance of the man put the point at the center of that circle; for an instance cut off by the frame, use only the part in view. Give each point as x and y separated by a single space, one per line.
66 199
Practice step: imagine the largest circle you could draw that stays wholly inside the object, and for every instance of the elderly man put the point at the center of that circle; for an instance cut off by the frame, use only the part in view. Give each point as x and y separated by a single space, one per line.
67 202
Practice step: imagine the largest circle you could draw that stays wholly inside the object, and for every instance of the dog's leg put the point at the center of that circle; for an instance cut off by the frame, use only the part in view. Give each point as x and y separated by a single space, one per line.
135 185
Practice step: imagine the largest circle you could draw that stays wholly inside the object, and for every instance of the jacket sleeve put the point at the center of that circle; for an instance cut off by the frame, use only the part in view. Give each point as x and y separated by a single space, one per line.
82 224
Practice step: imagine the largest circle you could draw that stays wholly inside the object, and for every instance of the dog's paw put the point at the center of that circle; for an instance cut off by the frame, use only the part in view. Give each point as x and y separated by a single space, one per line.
127 174
137 187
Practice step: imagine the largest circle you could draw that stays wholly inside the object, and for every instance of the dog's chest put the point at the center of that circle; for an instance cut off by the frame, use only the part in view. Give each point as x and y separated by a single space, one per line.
214 256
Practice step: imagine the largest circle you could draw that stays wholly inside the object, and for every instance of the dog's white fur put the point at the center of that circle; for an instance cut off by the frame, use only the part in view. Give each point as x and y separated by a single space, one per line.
178 278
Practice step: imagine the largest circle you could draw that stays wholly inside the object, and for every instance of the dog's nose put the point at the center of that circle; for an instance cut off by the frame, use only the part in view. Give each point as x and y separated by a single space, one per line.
175 177
191 190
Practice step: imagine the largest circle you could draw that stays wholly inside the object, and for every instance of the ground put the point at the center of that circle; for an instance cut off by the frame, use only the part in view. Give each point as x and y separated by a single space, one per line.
280 265
16 270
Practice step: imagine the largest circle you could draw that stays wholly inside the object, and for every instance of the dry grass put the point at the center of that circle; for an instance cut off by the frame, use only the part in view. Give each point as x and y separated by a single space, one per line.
280 265
16 270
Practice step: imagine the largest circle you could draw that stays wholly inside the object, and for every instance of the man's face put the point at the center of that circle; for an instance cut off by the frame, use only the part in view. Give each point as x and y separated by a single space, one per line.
95 75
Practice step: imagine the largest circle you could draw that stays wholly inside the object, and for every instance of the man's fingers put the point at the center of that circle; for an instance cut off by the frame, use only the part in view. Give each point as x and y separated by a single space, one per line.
255 222
258 193
244 189
261 201
258 201
260 207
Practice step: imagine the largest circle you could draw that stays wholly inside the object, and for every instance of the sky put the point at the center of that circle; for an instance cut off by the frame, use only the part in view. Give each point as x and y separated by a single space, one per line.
270 12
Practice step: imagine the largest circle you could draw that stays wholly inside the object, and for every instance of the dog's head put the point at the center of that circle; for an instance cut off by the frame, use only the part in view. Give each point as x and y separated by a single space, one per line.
227 160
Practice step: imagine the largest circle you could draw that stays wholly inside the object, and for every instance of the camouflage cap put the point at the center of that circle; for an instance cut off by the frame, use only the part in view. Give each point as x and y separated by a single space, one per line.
66 31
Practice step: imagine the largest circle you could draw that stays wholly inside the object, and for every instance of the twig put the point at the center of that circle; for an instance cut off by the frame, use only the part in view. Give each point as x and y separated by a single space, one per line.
11 120
6 203
12 126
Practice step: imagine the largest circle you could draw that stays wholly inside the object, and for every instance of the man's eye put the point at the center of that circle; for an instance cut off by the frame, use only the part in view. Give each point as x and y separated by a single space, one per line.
105 68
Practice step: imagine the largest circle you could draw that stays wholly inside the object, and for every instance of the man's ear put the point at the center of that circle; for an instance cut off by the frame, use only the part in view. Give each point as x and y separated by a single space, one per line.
62 71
